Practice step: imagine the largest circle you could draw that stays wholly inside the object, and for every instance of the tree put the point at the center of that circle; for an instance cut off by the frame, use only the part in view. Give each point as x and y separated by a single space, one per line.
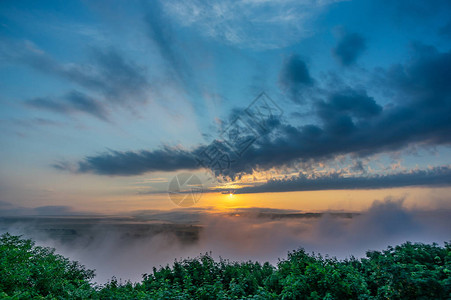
33 271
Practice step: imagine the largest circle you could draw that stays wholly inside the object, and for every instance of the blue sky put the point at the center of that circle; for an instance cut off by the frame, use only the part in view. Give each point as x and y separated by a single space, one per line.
110 98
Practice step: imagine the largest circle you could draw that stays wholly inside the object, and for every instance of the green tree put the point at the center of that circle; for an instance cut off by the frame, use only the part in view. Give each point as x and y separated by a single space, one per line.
32 271
407 271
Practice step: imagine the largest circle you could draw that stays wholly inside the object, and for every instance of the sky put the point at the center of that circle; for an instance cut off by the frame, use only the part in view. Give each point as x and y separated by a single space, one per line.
305 105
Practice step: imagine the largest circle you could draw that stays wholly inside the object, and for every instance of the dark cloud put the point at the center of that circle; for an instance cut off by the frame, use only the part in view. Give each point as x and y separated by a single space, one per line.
422 118
73 102
355 103
339 110
425 81
351 123
439 176
349 48
294 77
135 163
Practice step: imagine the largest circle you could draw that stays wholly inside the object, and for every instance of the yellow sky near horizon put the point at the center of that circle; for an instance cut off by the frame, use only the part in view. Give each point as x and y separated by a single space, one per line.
308 201
112 195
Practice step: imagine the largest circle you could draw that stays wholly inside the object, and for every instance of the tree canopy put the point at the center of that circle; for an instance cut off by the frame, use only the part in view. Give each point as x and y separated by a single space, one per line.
407 271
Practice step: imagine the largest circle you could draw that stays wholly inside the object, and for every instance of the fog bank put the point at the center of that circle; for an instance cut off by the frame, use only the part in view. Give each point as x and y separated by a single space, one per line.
128 246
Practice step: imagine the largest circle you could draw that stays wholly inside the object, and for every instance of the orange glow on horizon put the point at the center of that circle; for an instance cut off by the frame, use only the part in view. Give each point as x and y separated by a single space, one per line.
308 201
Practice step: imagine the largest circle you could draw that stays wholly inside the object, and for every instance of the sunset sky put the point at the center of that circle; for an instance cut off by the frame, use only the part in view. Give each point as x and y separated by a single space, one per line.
102 103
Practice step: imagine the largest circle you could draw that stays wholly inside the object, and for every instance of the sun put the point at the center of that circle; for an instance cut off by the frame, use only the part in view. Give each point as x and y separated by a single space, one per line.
230 195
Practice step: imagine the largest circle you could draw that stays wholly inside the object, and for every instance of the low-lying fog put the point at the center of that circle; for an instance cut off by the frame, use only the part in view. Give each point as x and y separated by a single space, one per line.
128 246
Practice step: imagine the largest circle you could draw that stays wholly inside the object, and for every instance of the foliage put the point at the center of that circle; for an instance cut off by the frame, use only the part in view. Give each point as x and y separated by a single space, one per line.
29 271
408 271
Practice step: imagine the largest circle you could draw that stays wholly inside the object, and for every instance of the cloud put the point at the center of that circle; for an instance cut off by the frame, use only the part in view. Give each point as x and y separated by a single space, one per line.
338 111
294 77
117 79
438 176
133 163
350 123
349 48
126 247
248 24
73 102
424 81
354 103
